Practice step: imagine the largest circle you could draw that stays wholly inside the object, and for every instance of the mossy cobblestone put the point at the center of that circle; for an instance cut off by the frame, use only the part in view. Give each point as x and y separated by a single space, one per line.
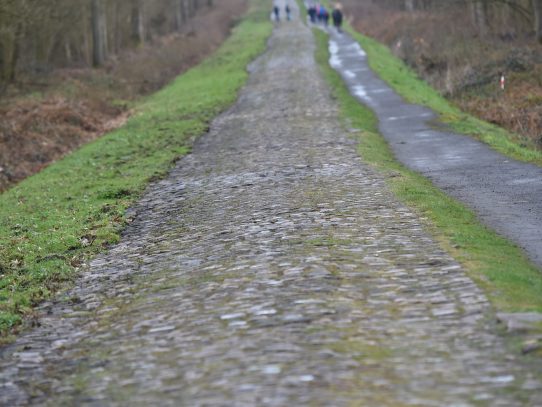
272 267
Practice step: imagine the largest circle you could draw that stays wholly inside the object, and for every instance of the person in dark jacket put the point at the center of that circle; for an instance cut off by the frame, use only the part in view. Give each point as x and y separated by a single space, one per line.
337 16
312 13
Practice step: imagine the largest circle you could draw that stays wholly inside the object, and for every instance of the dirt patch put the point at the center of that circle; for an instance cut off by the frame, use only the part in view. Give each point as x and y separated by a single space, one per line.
46 117
33 133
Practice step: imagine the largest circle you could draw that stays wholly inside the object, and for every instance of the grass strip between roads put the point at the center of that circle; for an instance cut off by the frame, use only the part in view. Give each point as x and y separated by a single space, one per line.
53 221
509 279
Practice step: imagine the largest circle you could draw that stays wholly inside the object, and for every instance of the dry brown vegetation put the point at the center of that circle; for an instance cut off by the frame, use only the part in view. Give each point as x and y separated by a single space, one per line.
447 50
44 117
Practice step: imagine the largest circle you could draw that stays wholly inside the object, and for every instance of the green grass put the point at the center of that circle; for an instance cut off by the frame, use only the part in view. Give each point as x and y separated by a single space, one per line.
406 83
511 282
52 222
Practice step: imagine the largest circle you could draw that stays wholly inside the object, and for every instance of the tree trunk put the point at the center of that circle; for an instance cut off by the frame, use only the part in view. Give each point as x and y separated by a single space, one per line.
44 47
185 9
537 7
9 46
479 16
117 30
68 52
99 33
180 14
192 7
137 21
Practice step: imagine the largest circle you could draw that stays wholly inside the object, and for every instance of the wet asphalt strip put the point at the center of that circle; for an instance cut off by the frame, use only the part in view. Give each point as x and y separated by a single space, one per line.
506 194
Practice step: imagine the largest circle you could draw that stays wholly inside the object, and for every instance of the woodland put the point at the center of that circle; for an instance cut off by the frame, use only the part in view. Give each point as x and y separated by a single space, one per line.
39 35
483 14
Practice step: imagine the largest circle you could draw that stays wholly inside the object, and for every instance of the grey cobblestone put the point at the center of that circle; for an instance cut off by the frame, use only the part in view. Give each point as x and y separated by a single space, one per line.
272 267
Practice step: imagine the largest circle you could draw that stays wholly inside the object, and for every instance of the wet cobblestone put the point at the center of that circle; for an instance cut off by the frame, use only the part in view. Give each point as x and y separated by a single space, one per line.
272 267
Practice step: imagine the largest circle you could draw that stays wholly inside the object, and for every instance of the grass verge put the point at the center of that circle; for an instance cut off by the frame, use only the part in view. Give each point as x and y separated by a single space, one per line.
510 280
53 221
406 83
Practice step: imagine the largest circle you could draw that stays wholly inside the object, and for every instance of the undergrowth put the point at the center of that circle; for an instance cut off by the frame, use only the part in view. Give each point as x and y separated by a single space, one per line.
53 221
510 280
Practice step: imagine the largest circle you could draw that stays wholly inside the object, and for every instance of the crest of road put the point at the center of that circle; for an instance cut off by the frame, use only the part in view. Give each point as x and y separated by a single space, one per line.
272 267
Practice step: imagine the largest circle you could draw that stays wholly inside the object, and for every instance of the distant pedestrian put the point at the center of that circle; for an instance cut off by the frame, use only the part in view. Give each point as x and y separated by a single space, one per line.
288 12
319 12
276 11
337 16
312 13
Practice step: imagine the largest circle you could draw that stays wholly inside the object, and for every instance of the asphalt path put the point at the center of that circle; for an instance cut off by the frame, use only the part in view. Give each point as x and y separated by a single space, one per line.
505 193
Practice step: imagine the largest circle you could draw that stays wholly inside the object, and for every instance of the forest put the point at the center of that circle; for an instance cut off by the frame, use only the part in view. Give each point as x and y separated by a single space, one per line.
484 14
40 35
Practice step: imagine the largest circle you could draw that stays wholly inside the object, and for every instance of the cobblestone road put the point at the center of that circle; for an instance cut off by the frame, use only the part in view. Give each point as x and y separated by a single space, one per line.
273 268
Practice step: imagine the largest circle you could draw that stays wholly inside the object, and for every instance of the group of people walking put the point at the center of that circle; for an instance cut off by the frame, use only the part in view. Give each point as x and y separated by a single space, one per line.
287 9
318 13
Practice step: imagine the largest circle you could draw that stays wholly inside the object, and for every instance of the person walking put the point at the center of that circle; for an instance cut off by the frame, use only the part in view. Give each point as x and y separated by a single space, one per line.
312 13
288 12
337 16
276 11
320 12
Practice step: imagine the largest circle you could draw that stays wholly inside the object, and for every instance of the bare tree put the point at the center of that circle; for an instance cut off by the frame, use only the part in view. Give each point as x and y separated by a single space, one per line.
137 22
99 33
43 34
181 13
12 18
479 15
537 10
